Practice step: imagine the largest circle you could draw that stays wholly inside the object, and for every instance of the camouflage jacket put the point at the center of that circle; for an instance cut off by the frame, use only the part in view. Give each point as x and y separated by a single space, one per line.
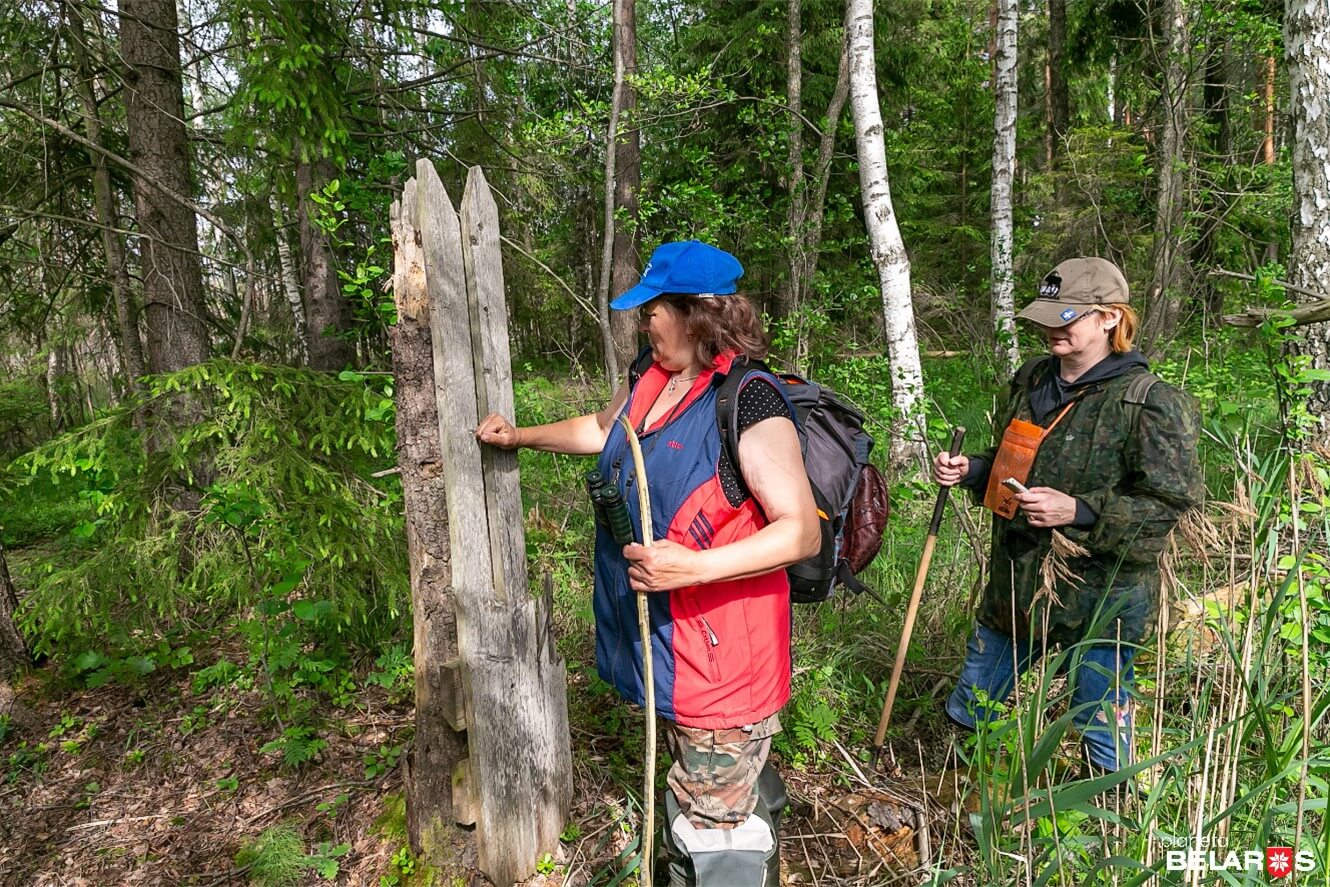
1137 480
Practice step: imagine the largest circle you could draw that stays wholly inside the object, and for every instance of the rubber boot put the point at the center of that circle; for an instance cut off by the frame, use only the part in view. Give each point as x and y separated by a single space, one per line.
774 799
723 857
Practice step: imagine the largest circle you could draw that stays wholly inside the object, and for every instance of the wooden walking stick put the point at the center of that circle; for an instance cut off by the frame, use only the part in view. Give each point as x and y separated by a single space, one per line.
648 679
920 578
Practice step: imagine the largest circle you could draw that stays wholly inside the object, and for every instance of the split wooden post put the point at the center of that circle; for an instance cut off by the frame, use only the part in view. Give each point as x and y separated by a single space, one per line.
516 784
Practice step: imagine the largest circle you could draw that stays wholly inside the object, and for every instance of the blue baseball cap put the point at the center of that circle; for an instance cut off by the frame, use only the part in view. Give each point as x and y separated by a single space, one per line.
687 267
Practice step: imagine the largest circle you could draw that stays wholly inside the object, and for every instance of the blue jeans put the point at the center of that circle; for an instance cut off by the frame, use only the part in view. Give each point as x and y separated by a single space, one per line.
992 664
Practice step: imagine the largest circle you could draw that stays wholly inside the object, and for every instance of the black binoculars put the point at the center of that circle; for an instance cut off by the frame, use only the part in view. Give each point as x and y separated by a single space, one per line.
611 510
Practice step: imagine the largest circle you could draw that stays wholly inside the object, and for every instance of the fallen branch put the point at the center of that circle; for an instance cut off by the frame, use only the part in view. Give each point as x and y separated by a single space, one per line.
97 823
1317 311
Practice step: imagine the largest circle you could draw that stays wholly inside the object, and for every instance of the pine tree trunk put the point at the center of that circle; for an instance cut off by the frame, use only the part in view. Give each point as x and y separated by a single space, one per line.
888 249
627 181
1003 305
1162 304
174 309
1307 48
113 247
327 317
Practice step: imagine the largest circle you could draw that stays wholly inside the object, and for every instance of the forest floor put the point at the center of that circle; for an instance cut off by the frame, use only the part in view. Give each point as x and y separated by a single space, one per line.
157 784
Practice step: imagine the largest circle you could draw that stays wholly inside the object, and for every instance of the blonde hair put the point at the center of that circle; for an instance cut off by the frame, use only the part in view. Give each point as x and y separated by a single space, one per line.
1121 337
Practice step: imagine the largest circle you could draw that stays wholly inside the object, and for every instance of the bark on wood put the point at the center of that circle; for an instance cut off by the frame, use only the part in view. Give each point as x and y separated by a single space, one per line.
519 760
1268 88
327 317
174 310
627 182
1002 306
790 293
437 748
534 693
1059 95
113 246
290 282
603 296
1307 48
1216 203
13 650
1162 297
888 249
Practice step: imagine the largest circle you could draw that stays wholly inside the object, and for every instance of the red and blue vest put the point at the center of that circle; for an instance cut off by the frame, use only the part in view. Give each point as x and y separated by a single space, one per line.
721 652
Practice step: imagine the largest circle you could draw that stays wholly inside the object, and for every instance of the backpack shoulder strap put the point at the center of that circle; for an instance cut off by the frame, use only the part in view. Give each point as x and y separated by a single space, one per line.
1139 387
727 404
639 366
1133 397
1026 371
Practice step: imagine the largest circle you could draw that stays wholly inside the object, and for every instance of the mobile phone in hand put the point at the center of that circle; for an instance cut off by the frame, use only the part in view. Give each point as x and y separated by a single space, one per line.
1015 486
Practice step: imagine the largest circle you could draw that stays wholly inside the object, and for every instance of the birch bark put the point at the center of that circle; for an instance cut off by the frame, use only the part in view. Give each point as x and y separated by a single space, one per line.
1003 305
884 235
1307 49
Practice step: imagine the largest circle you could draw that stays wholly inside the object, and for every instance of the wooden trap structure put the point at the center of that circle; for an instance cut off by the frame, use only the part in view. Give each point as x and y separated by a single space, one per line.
485 656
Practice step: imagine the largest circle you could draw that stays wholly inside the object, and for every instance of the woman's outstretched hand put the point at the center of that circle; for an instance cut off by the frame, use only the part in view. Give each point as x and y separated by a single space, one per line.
497 431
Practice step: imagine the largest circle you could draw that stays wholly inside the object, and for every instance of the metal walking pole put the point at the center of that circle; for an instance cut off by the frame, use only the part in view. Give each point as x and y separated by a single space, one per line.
957 436
648 679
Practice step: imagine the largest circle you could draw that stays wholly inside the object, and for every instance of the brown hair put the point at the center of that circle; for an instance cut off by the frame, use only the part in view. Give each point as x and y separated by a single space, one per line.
716 324
1121 337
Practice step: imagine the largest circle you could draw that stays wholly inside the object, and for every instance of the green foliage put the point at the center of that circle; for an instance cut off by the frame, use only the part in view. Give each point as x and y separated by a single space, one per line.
298 745
285 522
395 673
382 761
277 858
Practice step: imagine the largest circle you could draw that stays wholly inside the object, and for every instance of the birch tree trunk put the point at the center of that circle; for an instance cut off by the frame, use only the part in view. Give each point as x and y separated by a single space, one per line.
1307 48
290 282
627 182
790 295
884 235
1003 305
1162 306
607 242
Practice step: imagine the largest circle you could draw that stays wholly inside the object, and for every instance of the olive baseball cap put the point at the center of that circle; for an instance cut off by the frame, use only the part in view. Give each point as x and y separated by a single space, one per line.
1072 288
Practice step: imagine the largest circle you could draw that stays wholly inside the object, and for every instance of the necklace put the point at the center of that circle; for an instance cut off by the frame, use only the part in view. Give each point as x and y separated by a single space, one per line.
675 380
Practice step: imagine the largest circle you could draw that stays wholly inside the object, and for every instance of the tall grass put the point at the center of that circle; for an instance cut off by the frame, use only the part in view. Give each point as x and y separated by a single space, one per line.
1231 741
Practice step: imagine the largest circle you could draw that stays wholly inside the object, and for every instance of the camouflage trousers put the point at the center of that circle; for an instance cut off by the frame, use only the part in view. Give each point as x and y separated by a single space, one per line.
714 775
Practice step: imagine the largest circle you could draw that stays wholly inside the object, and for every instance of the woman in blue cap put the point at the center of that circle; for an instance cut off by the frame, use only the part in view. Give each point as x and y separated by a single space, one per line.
719 598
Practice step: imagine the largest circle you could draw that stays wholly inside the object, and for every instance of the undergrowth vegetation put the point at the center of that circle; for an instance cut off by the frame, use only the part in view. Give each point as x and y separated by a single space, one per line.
252 548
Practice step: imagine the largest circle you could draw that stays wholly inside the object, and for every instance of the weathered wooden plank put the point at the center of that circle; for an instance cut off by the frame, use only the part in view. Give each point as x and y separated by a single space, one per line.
499 776
533 685
494 378
437 747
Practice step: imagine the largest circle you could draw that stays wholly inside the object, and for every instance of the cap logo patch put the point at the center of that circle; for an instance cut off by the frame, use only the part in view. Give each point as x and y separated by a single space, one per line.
1050 287
1068 314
